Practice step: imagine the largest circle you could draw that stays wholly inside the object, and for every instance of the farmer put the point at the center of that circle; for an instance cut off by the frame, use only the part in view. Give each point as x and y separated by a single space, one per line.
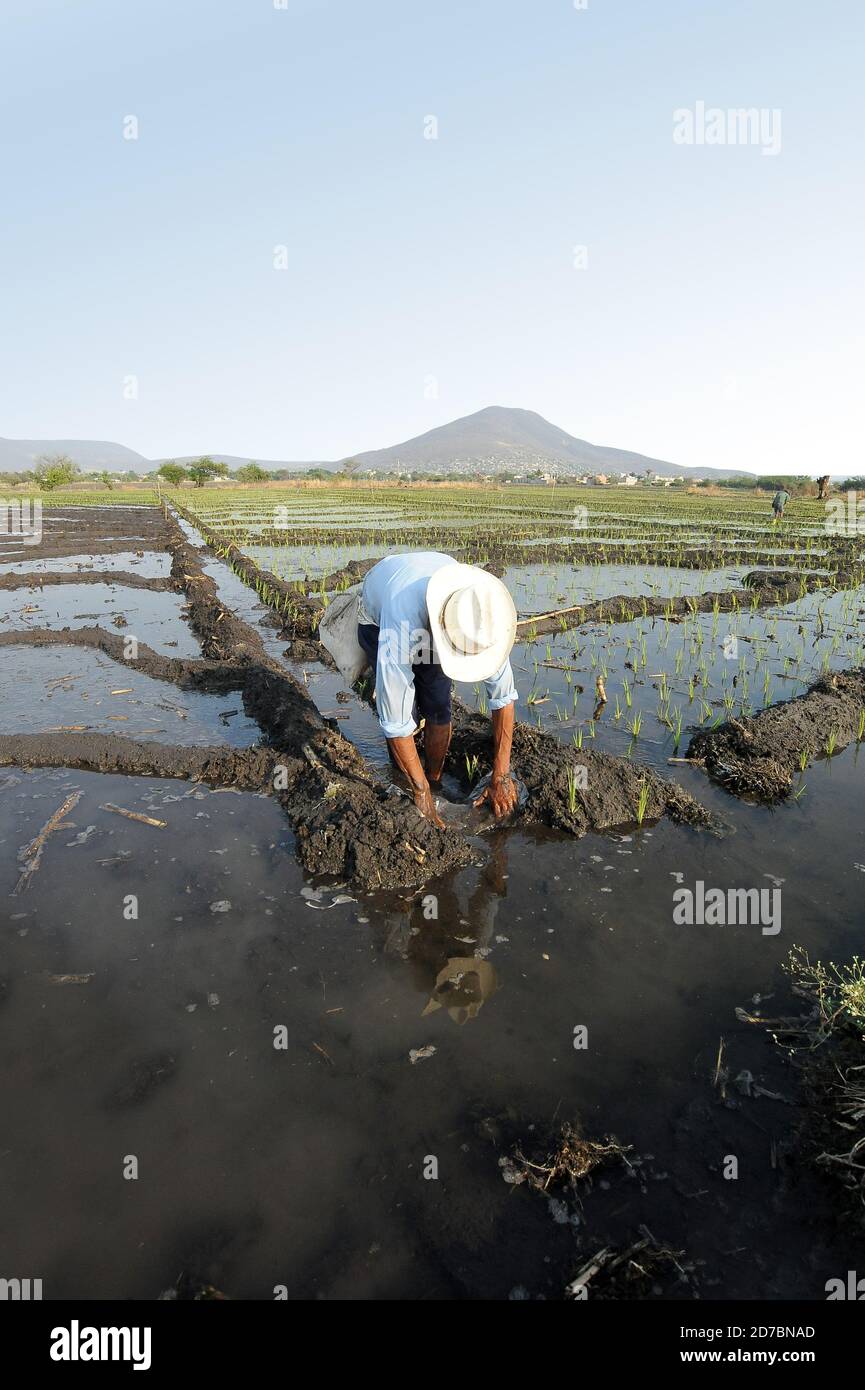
779 502
421 621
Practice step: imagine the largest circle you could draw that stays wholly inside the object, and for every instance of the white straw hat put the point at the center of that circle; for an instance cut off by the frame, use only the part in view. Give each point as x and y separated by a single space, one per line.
473 621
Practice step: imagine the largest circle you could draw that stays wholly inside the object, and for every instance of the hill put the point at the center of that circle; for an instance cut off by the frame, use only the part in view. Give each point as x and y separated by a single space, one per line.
18 455
504 439
498 439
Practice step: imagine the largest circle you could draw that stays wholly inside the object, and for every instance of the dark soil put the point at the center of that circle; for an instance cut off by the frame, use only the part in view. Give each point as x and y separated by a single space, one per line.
613 785
125 578
758 757
248 768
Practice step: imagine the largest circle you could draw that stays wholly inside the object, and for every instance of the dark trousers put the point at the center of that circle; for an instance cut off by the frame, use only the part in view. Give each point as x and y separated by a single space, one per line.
432 688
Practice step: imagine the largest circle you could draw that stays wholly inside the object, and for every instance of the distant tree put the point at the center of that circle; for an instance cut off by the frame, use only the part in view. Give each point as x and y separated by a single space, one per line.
251 473
54 470
206 468
106 478
172 472
852 485
350 467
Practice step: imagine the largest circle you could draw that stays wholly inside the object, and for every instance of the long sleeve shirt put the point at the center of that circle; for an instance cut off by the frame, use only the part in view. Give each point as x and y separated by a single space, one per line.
394 598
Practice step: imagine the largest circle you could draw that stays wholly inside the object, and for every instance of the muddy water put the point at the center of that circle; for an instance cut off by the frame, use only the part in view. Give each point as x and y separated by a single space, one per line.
260 1167
84 689
540 588
151 564
303 1165
154 618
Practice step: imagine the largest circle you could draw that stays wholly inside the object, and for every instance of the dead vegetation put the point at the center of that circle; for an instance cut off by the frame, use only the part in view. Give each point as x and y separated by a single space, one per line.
565 1170
639 1271
572 1159
827 1046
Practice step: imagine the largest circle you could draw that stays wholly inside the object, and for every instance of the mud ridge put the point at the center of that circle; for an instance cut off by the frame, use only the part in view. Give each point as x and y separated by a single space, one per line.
758 757
248 768
212 677
124 578
611 798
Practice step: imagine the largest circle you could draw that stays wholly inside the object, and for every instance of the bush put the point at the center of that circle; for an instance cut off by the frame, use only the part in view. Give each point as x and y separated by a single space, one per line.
173 473
53 471
204 469
251 473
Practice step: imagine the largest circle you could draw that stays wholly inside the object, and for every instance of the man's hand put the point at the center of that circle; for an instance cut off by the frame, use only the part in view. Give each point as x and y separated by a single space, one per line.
405 756
425 802
501 794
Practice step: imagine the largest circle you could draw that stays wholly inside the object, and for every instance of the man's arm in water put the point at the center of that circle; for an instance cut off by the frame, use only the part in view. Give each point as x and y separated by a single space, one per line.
501 792
405 755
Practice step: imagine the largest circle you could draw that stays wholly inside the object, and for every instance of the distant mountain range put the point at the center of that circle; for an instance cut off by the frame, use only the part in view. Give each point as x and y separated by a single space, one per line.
18 455
498 439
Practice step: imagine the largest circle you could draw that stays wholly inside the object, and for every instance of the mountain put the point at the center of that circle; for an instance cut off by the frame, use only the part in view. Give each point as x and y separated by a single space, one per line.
18 455
503 439
499 439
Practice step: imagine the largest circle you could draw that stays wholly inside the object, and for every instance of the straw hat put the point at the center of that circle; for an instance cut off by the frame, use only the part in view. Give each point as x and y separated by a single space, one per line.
472 620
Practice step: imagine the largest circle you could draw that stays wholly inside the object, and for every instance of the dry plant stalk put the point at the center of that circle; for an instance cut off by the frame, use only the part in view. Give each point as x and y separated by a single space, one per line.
134 815
31 855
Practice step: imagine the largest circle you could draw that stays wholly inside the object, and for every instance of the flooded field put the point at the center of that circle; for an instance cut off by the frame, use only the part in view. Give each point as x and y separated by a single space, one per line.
329 1035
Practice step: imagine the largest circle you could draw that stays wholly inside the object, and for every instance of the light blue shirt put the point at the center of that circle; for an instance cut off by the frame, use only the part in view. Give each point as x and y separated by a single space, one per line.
394 598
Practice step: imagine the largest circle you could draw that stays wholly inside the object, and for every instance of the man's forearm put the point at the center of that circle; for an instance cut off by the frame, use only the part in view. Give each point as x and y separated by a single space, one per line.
405 755
503 737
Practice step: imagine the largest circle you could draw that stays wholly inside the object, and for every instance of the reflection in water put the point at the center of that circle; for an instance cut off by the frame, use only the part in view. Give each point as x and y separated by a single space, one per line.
462 986
446 943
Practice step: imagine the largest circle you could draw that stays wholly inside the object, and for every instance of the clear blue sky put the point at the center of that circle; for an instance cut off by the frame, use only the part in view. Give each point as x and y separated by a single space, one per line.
718 320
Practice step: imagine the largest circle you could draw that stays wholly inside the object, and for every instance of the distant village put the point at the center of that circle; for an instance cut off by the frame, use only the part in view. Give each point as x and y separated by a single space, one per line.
537 478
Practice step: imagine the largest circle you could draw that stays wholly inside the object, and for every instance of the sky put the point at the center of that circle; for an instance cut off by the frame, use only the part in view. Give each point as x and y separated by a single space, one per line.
338 225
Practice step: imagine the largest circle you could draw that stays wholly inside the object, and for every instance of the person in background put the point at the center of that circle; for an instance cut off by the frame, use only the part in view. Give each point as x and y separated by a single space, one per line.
779 502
